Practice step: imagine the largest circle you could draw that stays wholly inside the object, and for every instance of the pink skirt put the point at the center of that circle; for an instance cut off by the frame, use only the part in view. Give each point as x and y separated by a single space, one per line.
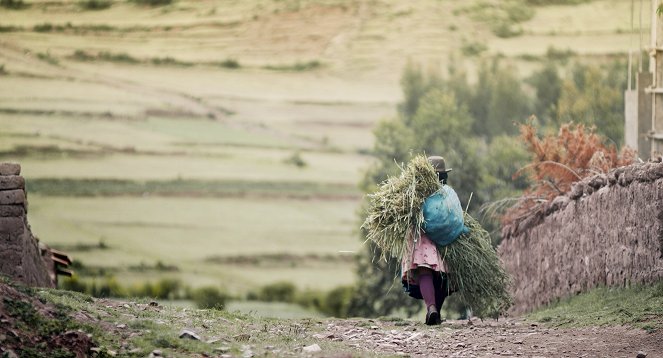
425 254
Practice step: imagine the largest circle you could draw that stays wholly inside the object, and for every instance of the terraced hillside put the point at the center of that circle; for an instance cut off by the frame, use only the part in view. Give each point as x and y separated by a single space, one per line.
199 133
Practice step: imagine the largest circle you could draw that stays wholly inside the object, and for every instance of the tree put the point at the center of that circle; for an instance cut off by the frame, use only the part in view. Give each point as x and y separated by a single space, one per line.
548 86
594 97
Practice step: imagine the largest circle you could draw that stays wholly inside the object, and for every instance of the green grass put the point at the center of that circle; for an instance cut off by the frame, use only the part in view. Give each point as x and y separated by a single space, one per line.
159 328
297 66
196 188
639 306
186 231
271 309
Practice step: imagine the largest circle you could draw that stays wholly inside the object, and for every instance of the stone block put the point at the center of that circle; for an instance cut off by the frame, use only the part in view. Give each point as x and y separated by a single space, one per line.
12 197
10 169
11 211
11 226
11 182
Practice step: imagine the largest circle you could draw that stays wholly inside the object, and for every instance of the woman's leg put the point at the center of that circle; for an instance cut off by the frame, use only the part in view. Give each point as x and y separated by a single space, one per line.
425 278
427 287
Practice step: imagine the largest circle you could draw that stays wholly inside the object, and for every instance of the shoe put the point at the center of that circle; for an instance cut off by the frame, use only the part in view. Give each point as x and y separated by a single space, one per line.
432 316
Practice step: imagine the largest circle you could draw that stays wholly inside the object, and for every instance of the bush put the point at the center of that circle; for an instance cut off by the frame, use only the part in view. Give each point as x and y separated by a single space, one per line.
473 48
46 57
95 4
152 2
278 292
505 29
117 57
12 4
337 301
230 63
3 71
209 297
297 66
296 160
80 55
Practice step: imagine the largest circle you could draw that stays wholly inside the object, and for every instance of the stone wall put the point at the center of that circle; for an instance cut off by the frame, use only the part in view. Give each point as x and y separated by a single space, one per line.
608 231
20 256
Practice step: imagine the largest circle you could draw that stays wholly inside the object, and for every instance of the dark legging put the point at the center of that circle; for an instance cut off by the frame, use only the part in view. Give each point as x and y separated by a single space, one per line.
432 294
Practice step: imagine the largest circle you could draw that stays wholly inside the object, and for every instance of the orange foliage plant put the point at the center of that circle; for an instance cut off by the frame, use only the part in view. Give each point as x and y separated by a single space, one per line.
558 161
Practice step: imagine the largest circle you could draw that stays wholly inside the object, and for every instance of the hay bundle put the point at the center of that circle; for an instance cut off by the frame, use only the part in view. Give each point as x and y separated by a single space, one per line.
475 271
395 209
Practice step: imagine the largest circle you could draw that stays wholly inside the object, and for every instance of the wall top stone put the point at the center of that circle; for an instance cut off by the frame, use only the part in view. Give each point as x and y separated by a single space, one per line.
622 176
10 169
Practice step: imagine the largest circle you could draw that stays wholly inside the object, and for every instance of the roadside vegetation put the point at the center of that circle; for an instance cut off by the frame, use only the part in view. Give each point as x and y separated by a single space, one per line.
638 306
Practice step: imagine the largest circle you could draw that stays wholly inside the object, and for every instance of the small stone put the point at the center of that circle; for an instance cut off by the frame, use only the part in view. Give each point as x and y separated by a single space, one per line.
312 348
212 341
641 354
222 349
2 337
519 341
226 356
189 334
157 353
374 327
247 354
111 353
269 348
154 303
121 326
243 337
135 351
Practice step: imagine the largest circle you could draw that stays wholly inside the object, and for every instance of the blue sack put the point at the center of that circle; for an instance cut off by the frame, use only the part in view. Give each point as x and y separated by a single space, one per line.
443 217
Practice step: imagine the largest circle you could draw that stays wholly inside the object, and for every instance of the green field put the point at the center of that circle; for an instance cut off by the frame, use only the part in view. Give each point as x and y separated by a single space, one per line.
202 131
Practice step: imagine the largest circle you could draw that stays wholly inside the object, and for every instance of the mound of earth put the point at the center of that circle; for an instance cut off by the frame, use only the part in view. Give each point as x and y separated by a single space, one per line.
32 328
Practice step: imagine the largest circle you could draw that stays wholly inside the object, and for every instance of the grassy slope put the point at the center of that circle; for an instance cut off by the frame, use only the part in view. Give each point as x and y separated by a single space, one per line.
636 306
135 328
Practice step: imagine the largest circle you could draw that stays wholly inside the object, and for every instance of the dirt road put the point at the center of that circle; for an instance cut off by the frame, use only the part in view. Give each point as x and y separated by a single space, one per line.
506 338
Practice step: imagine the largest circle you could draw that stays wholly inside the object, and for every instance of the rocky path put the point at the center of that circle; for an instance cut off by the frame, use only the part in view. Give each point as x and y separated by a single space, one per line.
505 338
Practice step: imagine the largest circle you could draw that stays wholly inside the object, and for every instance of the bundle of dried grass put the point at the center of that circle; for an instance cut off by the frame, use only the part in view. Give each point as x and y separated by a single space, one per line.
476 273
395 209
395 214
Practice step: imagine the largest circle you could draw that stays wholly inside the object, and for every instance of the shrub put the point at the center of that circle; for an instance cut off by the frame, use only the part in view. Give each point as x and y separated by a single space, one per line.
297 66
12 4
230 63
278 292
505 29
209 297
559 160
296 160
45 27
46 57
337 301
152 2
518 12
117 57
3 71
95 4
473 48
80 55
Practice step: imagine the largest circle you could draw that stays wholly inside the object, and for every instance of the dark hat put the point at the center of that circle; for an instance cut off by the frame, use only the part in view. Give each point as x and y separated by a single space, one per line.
438 164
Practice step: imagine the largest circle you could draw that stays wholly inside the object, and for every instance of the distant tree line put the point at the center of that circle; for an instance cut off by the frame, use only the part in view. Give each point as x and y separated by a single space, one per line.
474 125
